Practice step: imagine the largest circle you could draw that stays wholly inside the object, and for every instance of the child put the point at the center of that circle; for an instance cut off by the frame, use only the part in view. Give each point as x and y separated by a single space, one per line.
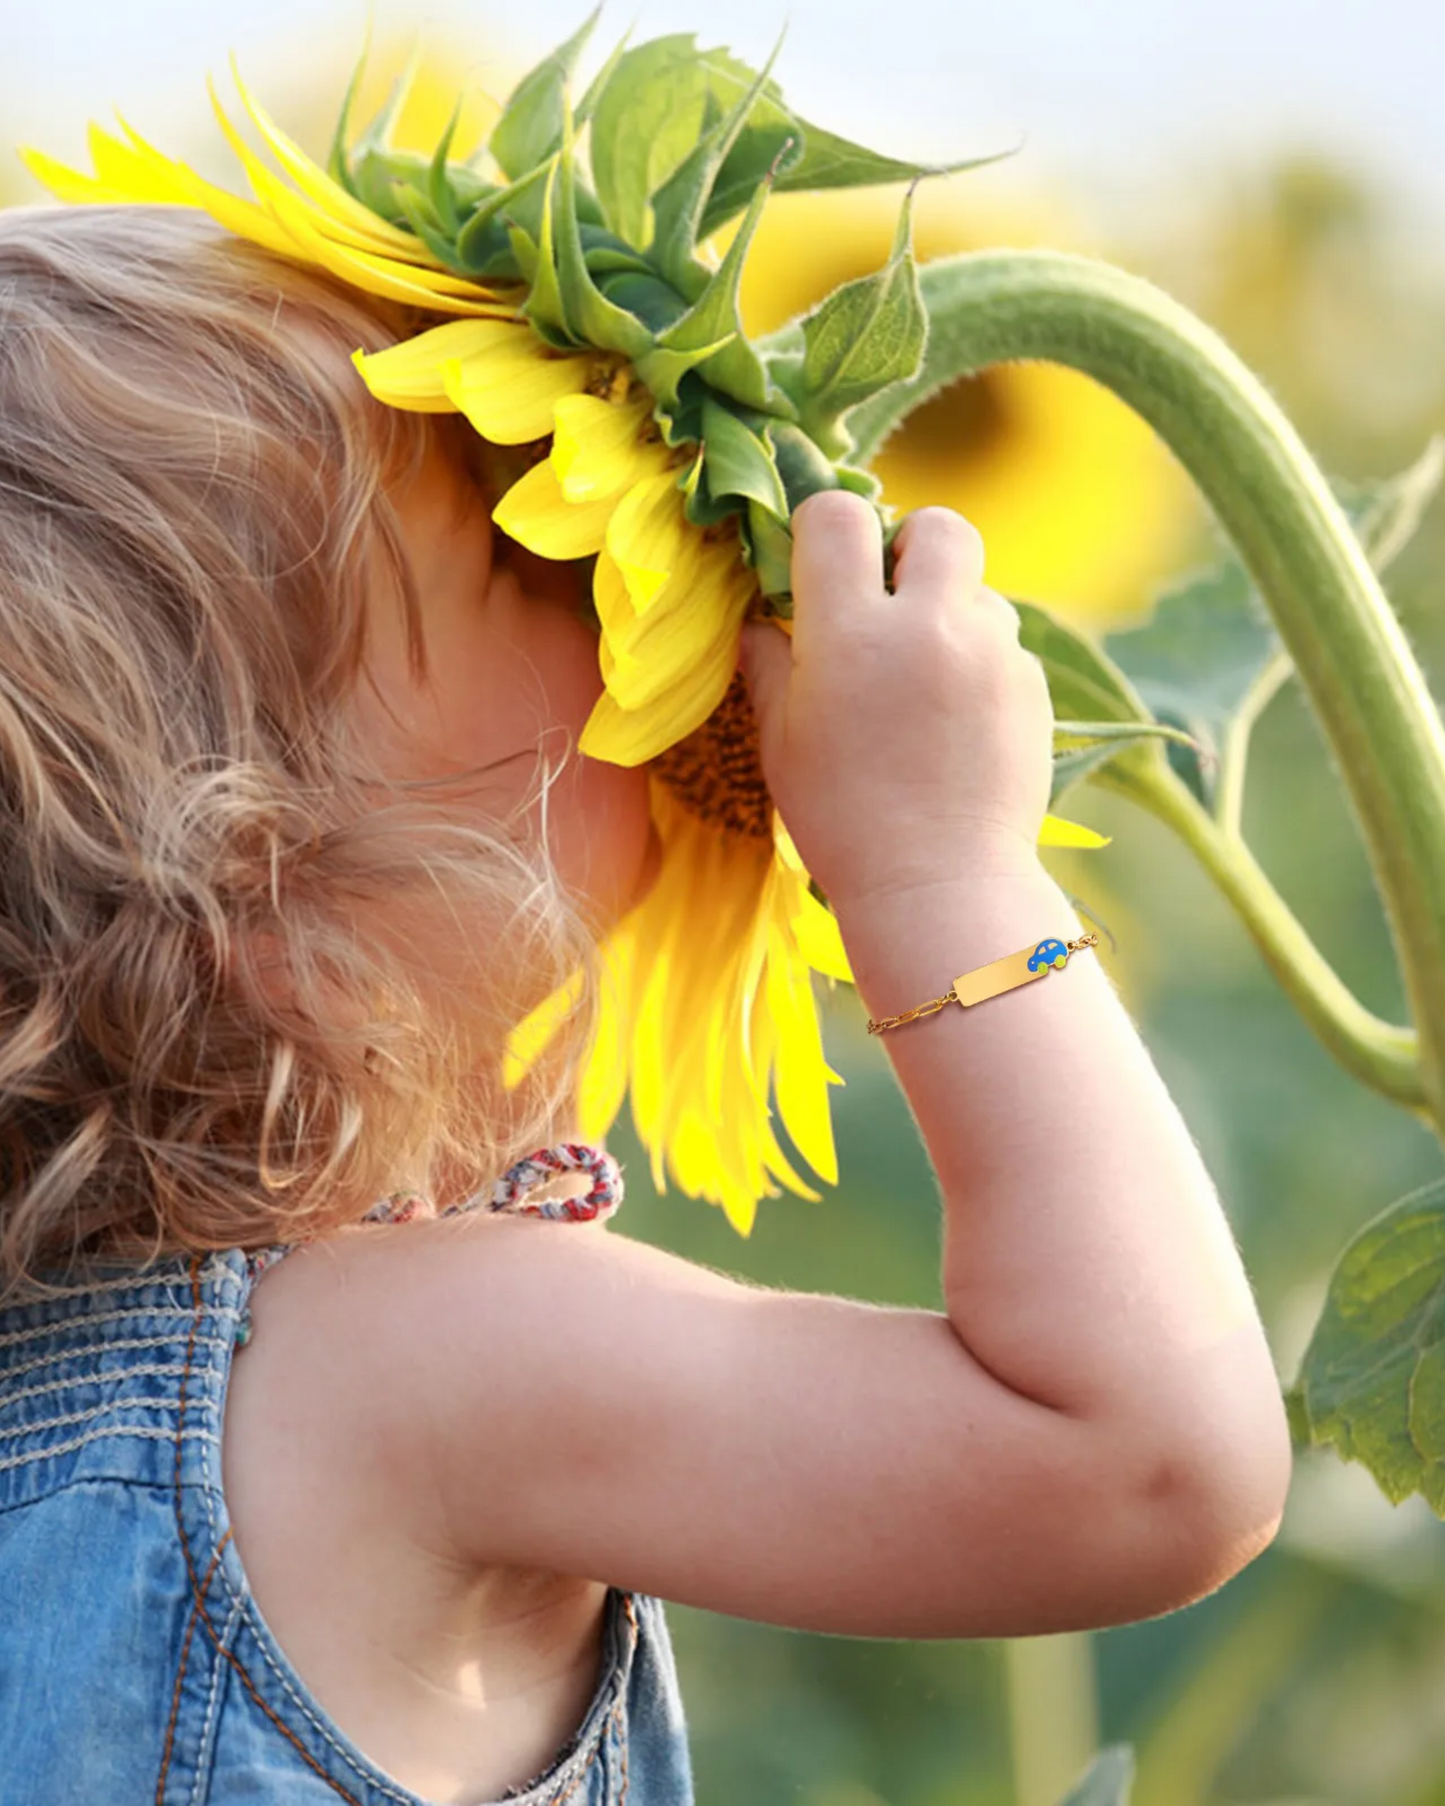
292 836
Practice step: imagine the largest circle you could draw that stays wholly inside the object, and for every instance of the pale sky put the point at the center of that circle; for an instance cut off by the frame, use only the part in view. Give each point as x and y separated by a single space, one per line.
1123 102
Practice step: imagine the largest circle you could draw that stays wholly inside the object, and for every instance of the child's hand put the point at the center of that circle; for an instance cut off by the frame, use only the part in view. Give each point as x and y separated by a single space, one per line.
905 738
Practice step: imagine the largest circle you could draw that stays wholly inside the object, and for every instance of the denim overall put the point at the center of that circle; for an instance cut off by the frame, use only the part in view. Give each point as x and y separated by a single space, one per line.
135 1668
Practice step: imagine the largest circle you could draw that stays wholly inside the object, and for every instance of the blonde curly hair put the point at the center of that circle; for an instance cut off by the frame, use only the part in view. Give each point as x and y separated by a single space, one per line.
192 506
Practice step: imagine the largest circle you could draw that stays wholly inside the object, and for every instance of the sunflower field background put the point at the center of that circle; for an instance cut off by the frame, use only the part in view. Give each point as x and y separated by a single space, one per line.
1317 1678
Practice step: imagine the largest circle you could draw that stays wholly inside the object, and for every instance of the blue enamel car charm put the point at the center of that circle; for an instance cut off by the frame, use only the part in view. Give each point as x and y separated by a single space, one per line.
1049 953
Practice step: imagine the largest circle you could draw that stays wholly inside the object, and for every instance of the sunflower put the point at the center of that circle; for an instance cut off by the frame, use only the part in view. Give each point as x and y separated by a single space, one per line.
586 321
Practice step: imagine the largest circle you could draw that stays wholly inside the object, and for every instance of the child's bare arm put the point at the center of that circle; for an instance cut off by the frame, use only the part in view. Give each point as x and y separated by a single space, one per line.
541 1395
1093 1432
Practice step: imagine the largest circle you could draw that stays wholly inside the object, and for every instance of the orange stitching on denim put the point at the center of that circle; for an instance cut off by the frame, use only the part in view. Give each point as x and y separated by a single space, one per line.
164 1775
579 1777
197 1590
631 1611
585 1770
617 1712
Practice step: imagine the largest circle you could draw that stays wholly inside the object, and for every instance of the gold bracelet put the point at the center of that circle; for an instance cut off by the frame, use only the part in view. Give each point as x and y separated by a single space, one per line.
1004 974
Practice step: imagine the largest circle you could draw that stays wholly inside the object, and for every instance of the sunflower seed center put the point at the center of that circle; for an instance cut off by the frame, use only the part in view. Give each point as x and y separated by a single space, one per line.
716 773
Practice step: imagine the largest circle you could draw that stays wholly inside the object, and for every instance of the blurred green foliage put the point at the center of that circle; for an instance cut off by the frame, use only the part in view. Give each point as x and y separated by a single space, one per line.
1315 1676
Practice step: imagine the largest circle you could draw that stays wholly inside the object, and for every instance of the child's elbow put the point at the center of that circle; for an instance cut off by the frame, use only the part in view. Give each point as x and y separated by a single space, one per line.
1214 1511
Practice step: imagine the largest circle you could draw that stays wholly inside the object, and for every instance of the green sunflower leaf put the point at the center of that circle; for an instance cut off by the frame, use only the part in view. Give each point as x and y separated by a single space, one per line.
662 368
544 305
520 203
531 127
645 121
1072 764
416 209
378 129
866 336
1084 682
677 206
377 174
716 316
738 461
703 511
604 251
772 137
1387 514
1209 656
501 265
861 482
440 190
802 466
680 421
338 161
587 106
595 319
655 302
1372 1381
1206 644
666 107
768 548
820 160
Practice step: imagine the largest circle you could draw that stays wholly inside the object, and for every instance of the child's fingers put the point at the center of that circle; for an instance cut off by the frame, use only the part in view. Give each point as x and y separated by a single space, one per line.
765 658
837 562
937 552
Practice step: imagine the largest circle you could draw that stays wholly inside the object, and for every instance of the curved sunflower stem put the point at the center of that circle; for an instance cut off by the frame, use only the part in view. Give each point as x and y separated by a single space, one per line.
1353 659
1382 1056
1053 1713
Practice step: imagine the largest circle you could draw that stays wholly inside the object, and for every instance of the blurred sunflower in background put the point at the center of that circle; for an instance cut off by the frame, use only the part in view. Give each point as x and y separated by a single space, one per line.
603 334
1045 462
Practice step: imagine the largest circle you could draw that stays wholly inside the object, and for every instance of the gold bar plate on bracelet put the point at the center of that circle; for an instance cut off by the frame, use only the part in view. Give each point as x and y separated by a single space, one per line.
1012 970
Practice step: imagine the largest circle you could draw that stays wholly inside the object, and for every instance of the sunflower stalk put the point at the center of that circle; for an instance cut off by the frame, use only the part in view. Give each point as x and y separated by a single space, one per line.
1354 662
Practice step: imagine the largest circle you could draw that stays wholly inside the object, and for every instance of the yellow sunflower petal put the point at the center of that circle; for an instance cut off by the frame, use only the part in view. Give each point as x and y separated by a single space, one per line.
340 208
697 627
508 392
409 375
534 1031
1056 832
139 174
650 537
343 252
357 228
820 940
614 605
384 276
597 452
768 1150
602 1088
67 184
632 736
649 1064
674 1030
800 1071
229 210
534 513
